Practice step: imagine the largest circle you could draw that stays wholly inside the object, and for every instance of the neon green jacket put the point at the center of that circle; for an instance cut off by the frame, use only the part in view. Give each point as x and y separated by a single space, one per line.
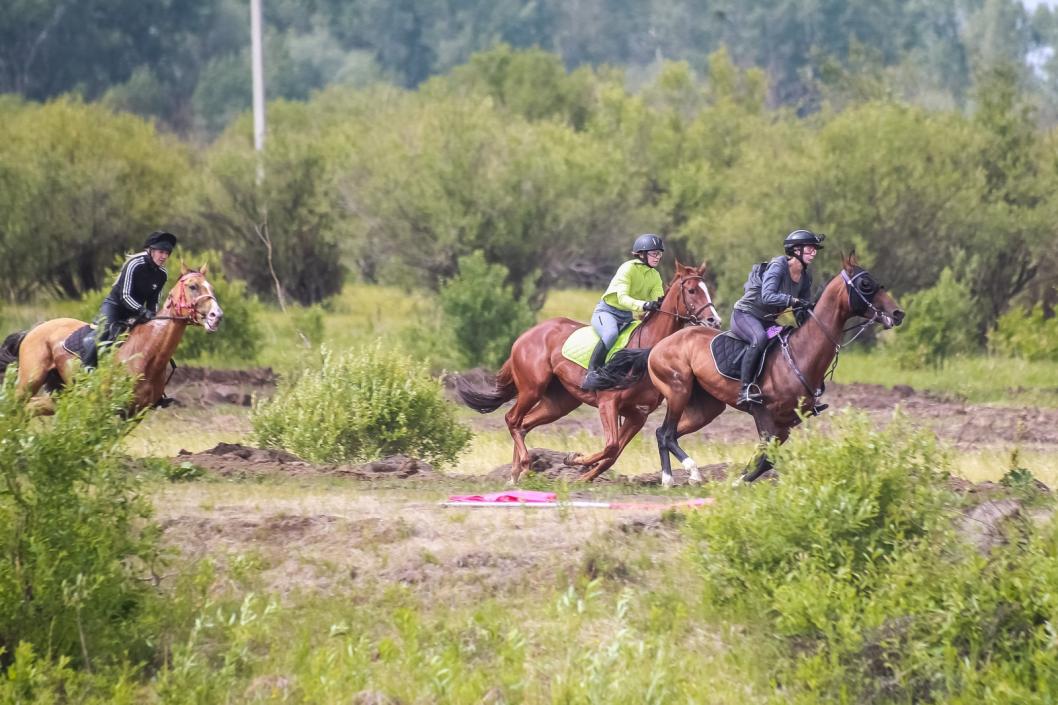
634 284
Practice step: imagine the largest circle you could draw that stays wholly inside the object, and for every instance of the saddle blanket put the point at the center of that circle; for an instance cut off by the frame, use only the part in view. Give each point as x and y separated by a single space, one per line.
74 343
581 343
728 351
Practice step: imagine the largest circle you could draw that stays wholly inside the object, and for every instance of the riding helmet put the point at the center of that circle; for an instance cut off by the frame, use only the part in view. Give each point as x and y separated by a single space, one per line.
646 243
161 240
800 238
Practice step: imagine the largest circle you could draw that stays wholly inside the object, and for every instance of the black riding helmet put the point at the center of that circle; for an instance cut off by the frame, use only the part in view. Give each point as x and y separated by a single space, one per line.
800 238
160 240
646 243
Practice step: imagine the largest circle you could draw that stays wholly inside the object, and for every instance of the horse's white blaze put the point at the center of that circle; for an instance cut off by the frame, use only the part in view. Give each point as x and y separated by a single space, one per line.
709 298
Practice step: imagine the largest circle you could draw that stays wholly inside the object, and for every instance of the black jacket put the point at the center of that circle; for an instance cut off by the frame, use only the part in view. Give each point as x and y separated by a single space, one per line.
138 285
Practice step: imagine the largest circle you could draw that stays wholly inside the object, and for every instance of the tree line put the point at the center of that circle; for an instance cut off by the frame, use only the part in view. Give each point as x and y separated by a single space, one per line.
547 172
186 62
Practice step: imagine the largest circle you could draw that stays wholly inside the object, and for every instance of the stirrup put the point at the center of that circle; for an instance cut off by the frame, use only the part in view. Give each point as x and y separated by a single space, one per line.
818 409
164 402
750 394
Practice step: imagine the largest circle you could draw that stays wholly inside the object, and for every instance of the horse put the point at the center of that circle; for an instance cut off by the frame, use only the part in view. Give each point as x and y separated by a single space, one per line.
44 362
546 386
685 373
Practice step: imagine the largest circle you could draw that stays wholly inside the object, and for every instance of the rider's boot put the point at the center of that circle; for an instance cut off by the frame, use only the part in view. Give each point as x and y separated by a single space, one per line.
91 352
598 359
750 392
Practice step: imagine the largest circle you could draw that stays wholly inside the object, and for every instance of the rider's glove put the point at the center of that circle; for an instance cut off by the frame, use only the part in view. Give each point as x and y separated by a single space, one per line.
145 315
798 303
651 306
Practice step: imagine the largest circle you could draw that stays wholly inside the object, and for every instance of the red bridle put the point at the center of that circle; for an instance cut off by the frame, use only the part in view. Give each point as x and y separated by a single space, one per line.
184 308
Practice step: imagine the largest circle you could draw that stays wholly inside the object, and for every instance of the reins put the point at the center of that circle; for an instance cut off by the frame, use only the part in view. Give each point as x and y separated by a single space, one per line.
692 318
838 346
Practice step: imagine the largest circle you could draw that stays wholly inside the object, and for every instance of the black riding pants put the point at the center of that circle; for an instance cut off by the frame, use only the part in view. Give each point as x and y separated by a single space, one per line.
754 331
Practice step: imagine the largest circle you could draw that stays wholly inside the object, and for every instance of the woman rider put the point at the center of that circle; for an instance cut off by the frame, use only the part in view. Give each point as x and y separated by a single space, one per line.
785 283
635 288
134 296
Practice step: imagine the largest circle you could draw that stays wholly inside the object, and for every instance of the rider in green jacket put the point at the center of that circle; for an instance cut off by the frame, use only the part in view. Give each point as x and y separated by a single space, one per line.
635 289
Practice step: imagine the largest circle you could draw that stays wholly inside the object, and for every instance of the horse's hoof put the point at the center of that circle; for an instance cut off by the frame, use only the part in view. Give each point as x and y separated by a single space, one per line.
695 477
572 459
666 480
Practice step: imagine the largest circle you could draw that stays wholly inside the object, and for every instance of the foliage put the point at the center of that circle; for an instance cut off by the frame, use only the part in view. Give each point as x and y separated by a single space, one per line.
1029 335
74 526
286 227
482 311
362 405
79 184
938 324
851 561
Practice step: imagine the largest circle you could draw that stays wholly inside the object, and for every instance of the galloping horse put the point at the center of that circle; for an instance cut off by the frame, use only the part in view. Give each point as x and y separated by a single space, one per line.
684 371
147 351
546 385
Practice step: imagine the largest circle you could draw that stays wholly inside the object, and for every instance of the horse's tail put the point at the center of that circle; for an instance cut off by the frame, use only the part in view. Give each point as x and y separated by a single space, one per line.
9 350
623 370
489 394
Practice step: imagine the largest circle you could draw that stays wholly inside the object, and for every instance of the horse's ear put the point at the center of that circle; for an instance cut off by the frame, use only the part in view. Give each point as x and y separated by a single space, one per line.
183 268
848 261
704 266
679 266
202 269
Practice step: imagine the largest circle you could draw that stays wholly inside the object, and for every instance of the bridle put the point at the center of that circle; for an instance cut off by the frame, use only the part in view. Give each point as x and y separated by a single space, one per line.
694 318
858 308
183 307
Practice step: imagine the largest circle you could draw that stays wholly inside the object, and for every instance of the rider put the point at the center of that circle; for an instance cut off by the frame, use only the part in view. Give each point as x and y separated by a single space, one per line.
134 296
635 288
785 283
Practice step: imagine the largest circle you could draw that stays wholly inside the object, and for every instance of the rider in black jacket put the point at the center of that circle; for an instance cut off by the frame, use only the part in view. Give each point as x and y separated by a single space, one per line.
134 296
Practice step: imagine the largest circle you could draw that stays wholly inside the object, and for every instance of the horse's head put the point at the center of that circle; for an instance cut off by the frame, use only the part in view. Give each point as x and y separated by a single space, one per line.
690 294
192 299
867 297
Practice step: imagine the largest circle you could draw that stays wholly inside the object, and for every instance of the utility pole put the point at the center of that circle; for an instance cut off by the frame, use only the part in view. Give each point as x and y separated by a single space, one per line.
257 57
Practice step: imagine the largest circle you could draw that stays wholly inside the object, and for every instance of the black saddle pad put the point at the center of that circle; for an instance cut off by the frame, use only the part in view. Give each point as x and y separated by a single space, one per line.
74 342
728 351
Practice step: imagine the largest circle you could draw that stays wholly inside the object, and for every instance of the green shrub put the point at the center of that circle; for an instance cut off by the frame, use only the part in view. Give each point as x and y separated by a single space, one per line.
1025 334
483 312
939 324
359 406
852 563
74 527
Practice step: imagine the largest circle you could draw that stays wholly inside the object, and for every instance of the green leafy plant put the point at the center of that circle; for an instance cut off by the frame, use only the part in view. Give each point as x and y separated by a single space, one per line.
74 526
362 405
483 312
1026 334
939 324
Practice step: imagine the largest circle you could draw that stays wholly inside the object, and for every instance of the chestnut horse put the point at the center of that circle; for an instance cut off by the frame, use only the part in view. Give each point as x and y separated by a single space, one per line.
684 372
147 351
546 386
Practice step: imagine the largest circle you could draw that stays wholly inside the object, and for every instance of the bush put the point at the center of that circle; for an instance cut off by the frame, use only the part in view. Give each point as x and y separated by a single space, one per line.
360 406
940 323
73 526
483 312
852 563
1025 334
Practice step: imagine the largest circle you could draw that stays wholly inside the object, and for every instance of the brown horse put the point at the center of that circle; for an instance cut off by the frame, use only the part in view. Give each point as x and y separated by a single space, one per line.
684 372
546 386
147 351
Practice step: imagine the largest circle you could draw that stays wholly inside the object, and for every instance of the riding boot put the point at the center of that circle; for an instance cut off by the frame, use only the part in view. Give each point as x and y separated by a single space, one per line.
750 392
598 359
91 352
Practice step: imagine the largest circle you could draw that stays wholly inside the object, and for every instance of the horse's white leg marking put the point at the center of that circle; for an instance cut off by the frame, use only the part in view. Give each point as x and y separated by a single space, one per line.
692 467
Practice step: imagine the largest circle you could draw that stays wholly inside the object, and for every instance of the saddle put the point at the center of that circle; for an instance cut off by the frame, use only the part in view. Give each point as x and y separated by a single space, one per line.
580 344
728 350
74 343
